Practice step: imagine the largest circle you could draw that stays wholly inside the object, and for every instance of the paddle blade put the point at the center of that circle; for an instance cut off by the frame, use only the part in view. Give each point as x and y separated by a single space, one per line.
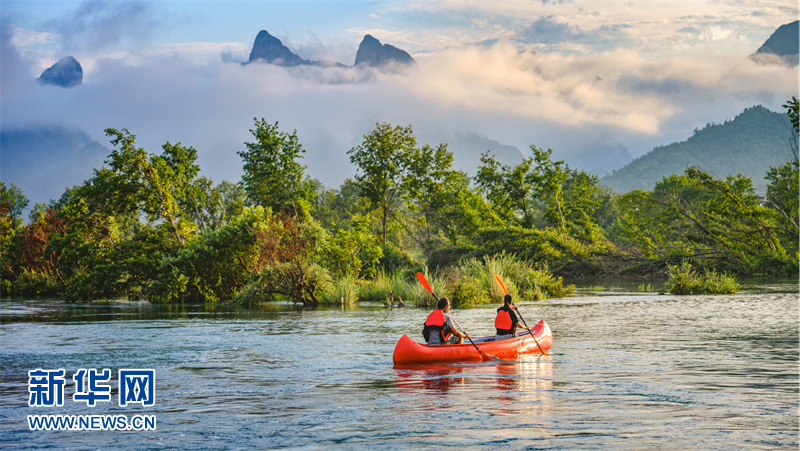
500 282
424 283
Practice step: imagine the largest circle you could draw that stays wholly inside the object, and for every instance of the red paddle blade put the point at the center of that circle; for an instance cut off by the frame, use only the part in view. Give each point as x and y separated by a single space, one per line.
500 282
424 282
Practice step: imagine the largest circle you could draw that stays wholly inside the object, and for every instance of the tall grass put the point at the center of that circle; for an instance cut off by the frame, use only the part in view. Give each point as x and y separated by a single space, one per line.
344 290
472 282
392 287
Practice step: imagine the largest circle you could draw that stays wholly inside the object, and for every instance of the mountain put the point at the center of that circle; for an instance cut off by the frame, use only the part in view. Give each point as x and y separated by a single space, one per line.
43 162
784 43
372 53
270 49
748 144
67 72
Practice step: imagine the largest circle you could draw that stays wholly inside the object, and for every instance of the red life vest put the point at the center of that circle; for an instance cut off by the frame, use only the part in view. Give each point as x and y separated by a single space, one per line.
503 322
436 323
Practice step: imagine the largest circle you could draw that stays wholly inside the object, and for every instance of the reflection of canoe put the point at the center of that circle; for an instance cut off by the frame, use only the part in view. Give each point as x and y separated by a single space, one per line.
409 351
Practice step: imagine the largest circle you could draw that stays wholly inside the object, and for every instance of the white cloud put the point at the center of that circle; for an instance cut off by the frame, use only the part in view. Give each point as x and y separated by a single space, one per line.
21 37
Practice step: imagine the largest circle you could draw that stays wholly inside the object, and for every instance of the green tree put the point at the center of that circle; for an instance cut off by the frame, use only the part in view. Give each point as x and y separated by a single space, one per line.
464 212
12 203
783 188
380 160
288 254
158 185
430 186
273 177
582 200
335 208
508 189
547 179
353 250
217 205
793 111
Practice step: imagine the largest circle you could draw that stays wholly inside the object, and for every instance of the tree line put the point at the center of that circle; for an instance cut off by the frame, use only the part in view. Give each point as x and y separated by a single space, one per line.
148 226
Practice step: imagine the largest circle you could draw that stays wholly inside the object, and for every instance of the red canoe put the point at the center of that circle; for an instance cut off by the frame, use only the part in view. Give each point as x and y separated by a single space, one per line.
408 351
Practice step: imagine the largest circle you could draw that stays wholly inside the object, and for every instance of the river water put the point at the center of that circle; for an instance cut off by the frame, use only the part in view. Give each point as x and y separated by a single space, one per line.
627 370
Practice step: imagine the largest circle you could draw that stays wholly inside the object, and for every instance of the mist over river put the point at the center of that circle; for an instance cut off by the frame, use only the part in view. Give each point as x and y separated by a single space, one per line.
627 370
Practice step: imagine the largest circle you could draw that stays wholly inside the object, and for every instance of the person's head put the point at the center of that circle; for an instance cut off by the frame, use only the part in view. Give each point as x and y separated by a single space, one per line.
444 304
507 300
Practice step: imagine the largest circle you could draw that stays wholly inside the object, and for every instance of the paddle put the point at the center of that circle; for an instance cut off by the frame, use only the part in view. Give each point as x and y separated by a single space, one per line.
505 290
427 287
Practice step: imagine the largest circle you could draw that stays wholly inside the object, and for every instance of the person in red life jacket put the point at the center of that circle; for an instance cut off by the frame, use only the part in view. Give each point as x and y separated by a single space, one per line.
506 321
439 328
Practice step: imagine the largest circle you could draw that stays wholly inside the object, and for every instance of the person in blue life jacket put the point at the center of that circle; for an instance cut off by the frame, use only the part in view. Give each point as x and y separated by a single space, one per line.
440 328
506 322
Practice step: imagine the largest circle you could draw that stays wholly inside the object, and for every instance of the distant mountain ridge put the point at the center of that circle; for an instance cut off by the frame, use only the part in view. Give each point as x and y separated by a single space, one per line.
783 43
748 144
371 52
270 49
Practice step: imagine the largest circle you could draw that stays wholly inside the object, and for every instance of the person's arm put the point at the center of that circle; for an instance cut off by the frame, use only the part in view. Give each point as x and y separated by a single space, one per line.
454 329
460 334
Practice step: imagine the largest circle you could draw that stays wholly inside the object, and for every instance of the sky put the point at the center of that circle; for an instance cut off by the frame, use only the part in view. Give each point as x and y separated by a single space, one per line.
599 82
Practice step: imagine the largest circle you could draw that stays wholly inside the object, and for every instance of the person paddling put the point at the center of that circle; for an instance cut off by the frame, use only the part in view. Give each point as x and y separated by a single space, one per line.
506 322
439 328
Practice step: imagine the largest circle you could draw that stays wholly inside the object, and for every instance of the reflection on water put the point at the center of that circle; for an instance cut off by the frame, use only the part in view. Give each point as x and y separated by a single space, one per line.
627 370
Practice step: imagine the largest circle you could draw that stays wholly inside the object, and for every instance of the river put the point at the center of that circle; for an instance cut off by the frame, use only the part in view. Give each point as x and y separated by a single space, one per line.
627 370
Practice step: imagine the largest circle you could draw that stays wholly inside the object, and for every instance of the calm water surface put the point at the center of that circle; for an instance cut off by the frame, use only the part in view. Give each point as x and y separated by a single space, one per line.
627 370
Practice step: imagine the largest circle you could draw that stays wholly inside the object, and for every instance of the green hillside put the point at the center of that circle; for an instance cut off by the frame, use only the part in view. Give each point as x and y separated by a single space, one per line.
749 144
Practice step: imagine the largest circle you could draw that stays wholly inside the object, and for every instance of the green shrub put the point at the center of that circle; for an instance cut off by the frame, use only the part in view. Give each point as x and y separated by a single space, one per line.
683 279
33 283
6 287
253 293
467 291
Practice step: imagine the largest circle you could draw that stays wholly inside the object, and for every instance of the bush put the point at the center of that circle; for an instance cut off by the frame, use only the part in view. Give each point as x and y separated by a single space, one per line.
34 283
253 293
6 287
683 279
467 291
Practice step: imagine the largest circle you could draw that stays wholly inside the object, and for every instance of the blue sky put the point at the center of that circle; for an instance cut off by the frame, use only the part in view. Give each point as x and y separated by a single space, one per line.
580 77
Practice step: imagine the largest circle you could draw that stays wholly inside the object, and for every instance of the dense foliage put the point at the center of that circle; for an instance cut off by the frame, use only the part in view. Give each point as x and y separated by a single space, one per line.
148 226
